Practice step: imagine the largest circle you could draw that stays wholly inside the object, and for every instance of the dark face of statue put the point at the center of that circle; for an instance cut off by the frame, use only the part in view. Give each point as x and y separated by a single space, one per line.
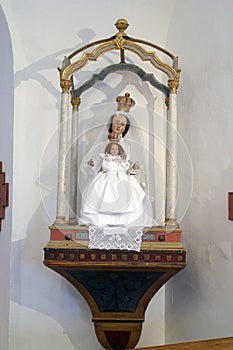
119 124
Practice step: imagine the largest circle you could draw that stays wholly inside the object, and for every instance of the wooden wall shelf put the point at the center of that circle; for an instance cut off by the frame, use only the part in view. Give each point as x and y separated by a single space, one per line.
117 285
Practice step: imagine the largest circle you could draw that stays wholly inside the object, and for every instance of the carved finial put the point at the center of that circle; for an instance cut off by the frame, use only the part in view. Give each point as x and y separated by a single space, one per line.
121 25
125 102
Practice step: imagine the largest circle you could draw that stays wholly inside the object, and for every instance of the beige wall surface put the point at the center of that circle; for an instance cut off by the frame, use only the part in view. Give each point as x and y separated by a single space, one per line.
6 157
46 311
199 300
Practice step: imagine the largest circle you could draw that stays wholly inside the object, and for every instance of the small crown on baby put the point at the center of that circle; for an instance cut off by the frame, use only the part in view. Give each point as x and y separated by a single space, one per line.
125 102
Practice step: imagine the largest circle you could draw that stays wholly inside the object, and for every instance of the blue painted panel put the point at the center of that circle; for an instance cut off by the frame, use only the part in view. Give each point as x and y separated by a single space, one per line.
121 67
116 291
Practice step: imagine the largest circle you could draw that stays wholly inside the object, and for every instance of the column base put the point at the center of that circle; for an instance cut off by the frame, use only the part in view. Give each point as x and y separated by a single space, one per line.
72 221
60 220
171 222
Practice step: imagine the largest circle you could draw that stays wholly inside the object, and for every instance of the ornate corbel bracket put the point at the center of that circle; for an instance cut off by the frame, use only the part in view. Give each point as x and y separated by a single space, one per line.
117 285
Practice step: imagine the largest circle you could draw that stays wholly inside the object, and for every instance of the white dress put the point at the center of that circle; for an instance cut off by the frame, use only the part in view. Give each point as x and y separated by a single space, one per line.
115 198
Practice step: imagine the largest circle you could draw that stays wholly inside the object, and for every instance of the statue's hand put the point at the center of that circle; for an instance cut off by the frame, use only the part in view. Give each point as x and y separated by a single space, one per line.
91 162
135 166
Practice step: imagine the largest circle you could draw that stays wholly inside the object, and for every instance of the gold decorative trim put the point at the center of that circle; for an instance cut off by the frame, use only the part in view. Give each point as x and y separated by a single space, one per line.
152 58
121 24
65 85
171 222
122 42
86 57
119 41
75 101
173 84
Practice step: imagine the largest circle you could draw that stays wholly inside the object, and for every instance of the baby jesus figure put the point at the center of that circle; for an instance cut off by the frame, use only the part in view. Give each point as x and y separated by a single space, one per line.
114 197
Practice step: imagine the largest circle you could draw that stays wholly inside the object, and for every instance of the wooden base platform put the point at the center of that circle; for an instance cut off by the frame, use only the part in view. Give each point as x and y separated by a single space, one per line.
117 284
211 344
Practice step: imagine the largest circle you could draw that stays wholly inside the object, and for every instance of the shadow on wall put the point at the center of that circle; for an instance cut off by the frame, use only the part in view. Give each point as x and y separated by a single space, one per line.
34 286
34 71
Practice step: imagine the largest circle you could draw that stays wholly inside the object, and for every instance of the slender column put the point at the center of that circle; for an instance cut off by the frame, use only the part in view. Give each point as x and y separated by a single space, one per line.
62 158
171 163
74 162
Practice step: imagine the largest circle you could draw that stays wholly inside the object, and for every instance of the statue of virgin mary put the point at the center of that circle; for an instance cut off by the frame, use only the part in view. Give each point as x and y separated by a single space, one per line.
113 195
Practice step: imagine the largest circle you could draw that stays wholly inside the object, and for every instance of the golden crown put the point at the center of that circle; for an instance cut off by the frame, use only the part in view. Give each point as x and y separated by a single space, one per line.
125 102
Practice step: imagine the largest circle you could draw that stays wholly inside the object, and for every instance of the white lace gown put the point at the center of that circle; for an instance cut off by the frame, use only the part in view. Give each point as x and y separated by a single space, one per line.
115 198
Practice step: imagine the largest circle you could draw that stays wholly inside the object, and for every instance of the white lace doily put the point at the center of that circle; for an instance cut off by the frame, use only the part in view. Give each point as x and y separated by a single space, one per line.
122 238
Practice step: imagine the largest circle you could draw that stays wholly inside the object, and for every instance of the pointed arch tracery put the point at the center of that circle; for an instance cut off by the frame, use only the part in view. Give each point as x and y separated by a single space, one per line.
122 43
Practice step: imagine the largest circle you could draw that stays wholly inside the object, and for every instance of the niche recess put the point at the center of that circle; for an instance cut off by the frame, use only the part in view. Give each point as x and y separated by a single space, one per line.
117 284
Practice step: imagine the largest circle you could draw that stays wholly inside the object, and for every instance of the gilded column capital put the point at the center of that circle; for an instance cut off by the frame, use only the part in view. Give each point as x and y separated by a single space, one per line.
75 101
65 85
173 85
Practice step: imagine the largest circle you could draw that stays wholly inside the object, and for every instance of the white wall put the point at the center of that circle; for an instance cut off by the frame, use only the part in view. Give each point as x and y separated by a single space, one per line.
6 156
46 311
199 300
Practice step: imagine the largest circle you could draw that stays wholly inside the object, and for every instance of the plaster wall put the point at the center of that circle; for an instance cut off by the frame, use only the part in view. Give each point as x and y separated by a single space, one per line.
6 156
46 311
199 299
